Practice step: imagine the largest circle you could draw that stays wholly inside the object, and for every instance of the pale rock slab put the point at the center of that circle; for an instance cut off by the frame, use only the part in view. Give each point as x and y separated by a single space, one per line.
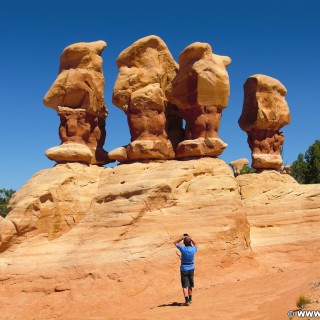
118 154
70 152
201 147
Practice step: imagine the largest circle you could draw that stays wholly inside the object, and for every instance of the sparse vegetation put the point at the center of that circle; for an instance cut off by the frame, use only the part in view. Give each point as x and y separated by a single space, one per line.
302 301
246 169
5 195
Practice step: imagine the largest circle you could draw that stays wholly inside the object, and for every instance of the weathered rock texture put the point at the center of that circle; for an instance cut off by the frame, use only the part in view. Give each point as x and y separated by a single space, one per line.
201 91
145 69
76 229
128 195
284 216
265 111
52 202
77 95
237 165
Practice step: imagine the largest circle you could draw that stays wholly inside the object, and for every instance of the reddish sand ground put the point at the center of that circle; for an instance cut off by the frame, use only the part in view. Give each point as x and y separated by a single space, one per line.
251 289
252 296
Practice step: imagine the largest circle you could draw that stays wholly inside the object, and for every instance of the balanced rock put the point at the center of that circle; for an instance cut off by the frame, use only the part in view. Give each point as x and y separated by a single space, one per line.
77 95
237 165
145 69
200 90
264 112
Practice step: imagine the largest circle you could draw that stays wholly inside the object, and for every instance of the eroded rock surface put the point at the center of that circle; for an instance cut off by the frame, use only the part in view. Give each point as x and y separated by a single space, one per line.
145 69
77 95
52 202
74 229
284 216
201 91
264 112
128 195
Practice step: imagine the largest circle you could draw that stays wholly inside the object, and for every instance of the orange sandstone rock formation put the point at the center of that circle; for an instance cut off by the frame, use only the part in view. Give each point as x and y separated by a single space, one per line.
201 91
81 229
265 111
75 229
145 69
77 95
237 165
141 195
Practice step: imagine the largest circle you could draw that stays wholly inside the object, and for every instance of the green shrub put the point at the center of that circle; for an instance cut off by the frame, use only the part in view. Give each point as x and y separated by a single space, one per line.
5 195
246 169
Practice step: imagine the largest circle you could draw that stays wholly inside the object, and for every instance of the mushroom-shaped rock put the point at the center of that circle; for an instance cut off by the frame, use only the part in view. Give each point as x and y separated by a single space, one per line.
237 165
145 70
265 111
77 95
200 90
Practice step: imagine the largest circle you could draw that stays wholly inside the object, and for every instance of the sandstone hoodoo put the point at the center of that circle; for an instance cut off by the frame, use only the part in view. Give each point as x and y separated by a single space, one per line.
237 165
265 111
82 241
201 91
77 95
145 69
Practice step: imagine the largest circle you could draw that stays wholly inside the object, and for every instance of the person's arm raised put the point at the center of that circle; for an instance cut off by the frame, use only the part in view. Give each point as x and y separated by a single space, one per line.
193 242
177 241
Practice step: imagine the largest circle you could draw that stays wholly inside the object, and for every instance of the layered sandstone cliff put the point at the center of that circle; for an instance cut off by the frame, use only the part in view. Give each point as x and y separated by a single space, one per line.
85 242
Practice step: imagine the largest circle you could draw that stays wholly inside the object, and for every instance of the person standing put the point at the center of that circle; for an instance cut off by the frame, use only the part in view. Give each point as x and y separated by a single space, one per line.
187 265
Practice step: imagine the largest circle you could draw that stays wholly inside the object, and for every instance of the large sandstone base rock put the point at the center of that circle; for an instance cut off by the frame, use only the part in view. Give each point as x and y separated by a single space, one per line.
176 195
85 242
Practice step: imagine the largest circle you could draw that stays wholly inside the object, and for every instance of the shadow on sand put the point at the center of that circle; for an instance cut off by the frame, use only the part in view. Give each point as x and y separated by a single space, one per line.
172 304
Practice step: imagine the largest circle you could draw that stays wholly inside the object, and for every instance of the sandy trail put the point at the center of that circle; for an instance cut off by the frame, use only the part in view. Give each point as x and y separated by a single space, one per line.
260 296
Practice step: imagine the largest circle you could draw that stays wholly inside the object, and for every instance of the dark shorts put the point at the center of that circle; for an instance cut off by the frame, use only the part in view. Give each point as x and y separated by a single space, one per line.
187 278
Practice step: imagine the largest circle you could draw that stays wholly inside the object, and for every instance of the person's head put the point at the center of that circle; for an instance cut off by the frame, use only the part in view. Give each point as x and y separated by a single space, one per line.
187 241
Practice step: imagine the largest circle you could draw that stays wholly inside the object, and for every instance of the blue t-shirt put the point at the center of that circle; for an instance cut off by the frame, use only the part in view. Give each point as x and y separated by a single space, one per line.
187 256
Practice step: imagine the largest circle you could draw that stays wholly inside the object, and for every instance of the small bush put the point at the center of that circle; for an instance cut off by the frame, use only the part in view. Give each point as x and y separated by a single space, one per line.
303 301
5 195
246 169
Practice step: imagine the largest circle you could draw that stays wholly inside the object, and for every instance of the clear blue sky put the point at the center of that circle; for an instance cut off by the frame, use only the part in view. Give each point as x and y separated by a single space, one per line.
279 38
